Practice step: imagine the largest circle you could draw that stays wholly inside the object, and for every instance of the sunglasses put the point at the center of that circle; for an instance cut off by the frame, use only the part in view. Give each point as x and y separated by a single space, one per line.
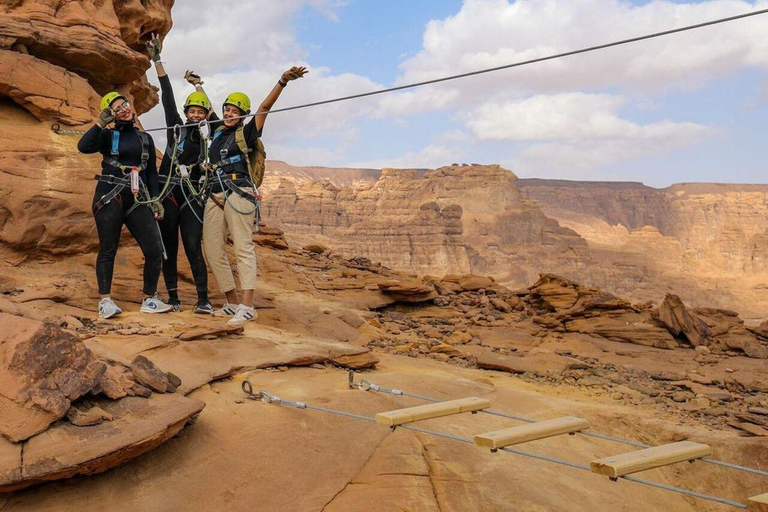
119 108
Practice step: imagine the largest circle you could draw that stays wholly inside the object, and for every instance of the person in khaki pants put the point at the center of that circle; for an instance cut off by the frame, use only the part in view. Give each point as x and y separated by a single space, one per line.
231 206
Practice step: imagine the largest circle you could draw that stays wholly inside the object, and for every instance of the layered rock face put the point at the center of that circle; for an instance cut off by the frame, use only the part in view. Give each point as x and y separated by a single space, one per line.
706 243
454 219
56 60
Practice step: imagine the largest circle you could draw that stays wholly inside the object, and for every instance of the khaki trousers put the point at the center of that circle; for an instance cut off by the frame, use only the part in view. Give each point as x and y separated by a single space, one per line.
217 223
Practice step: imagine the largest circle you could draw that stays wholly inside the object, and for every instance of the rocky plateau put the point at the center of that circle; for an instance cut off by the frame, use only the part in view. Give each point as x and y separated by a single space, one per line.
639 310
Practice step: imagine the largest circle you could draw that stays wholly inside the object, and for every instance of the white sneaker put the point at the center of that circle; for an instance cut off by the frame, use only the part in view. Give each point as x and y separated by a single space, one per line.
108 309
154 305
242 315
226 310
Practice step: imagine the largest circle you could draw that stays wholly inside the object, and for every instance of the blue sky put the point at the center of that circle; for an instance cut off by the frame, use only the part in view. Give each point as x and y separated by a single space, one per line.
690 107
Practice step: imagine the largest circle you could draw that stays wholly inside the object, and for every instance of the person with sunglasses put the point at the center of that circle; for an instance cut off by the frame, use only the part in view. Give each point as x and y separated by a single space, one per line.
128 179
183 200
232 203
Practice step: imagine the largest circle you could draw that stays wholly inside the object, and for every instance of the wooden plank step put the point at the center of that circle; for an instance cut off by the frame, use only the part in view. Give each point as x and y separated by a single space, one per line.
758 503
642 460
436 410
531 432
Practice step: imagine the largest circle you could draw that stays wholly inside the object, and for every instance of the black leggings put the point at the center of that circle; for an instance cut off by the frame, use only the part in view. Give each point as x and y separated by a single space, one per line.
142 225
187 217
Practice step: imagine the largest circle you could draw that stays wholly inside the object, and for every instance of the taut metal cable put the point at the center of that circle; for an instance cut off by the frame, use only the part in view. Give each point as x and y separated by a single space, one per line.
366 385
268 397
489 70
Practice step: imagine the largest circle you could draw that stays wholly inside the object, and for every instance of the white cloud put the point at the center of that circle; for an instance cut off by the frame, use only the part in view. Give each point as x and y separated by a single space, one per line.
571 116
488 33
429 157
574 135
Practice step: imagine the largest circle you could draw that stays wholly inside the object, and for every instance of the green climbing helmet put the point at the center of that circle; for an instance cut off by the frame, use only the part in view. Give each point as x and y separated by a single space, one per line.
110 97
240 100
197 99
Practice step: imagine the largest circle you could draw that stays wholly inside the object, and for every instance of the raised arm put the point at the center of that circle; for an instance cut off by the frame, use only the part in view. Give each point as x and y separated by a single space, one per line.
172 116
292 74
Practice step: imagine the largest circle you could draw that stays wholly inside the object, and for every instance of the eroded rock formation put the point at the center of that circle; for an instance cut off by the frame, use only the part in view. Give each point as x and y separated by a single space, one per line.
57 58
453 219
705 243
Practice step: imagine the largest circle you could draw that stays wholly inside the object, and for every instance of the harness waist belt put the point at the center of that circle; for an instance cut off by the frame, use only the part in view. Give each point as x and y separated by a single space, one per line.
118 165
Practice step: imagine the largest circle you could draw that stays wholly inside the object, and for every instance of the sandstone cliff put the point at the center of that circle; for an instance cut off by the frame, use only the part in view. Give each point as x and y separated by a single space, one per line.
453 219
706 243
56 59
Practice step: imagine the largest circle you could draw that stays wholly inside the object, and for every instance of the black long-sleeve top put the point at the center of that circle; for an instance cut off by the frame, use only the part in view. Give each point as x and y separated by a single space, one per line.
224 139
98 140
192 142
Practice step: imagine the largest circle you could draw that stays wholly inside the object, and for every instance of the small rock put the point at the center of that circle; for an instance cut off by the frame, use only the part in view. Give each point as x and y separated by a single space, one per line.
92 416
591 381
703 349
646 390
147 374
754 430
758 410
316 248
173 379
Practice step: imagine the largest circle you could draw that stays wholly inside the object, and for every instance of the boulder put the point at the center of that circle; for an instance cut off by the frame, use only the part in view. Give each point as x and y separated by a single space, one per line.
42 370
473 283
541 364
408 291
673 315
66 450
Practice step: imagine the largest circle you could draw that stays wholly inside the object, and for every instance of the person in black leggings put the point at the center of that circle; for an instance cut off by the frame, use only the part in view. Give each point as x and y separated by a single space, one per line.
183 208
129 171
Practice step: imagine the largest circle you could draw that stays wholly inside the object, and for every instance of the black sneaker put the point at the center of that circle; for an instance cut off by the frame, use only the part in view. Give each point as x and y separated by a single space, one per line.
175 304
204 307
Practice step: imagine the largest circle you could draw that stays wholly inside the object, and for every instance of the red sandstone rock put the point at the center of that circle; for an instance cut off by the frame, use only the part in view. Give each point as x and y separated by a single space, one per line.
676 318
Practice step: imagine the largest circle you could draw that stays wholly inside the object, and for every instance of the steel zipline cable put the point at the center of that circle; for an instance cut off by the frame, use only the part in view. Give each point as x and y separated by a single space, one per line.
268 397
365 385
482 71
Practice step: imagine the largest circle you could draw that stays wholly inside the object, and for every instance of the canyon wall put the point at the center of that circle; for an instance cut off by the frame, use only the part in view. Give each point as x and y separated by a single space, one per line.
708 243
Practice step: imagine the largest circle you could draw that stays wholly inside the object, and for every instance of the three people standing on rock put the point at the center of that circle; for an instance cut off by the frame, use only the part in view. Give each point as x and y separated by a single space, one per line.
205 198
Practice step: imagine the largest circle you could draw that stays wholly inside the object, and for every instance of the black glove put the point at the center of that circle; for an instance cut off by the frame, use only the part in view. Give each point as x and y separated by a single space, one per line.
105 117
155 46
158 210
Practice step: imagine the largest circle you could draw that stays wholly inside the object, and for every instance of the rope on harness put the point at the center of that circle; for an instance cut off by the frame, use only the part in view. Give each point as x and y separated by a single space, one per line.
164 192
366 385
270 398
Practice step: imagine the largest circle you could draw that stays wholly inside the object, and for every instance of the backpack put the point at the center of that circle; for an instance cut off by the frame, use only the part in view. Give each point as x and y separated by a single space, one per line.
255 158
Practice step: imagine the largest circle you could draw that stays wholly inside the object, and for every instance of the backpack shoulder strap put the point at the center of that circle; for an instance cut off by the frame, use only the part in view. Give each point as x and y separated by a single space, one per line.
242 145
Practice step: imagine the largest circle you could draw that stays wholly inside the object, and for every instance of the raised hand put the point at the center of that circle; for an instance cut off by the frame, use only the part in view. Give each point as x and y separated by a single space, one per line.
294 73
155 46
106 116
193 78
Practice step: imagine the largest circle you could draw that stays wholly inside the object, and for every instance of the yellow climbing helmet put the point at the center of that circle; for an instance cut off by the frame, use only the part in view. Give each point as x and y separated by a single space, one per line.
240 100
197 99
108 98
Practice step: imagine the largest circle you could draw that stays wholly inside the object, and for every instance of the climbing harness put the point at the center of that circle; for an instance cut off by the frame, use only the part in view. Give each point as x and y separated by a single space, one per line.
227 180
